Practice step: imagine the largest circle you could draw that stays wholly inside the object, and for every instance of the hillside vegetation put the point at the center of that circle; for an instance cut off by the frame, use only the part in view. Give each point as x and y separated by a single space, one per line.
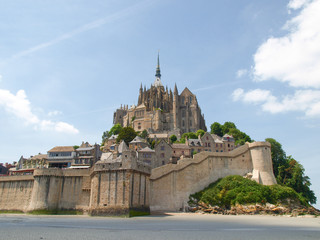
233 190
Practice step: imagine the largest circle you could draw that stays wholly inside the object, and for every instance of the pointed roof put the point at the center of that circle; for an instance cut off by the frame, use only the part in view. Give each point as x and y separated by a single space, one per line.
113 137
157 82
122 147
158 75
137 139
186 91
175 89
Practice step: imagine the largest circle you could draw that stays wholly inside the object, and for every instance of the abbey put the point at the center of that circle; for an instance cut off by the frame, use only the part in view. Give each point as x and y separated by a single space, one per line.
121 178
161 110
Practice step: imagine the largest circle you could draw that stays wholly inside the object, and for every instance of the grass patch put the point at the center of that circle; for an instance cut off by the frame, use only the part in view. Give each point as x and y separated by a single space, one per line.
11 212
137 213
55 212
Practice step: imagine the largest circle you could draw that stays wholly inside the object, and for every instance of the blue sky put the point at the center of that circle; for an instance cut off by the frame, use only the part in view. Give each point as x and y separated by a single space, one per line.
65 66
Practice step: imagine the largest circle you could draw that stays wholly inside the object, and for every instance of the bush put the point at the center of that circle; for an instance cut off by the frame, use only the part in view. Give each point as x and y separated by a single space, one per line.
232 190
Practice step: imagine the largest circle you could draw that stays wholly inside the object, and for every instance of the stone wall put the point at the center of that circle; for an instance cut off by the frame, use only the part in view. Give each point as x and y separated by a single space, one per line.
116 188
15 192
47 189
171 185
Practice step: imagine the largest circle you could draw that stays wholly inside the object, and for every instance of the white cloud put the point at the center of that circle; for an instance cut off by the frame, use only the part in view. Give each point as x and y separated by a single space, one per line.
58 127
54 113
19 106
241 73
296 4
295 57
307 101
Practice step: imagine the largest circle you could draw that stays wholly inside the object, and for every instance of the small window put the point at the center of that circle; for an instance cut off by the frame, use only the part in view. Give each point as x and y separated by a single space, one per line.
162 148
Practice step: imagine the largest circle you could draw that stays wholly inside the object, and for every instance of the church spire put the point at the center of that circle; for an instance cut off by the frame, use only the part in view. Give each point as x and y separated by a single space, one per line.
158 75
157 82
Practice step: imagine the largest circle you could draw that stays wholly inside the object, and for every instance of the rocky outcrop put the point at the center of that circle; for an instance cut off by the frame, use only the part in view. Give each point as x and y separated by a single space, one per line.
292 210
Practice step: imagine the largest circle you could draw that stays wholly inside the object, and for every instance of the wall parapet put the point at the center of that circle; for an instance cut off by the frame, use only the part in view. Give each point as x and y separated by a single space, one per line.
16 178
161 171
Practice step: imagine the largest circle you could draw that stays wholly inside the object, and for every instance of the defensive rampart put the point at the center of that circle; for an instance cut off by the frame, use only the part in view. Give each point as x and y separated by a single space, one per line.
15 192
171 184
48 189
117 187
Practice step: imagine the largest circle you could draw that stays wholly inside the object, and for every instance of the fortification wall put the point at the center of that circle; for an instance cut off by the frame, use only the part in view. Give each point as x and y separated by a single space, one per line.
262 163
171 185
15 192
116 191
60 189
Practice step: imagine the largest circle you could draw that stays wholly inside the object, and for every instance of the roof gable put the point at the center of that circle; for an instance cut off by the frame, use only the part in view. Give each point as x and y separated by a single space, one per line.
186 92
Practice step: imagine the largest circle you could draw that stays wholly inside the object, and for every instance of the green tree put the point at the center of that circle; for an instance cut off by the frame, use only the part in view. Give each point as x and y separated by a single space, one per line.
189 135
216 128
239 137
227 126
115 129
127 134
278 156
173 138
144 134
295 178
200 132
105 136
290 172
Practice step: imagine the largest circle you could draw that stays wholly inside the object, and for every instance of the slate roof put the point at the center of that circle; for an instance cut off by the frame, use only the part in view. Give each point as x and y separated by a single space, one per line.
137 139
146 149
194 142
106 157
122 147
113 137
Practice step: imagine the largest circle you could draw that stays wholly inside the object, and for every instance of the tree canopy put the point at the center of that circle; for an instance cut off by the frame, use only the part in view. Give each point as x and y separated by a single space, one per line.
216 128
144 134
230 128
289 172
127 134
173 138
200 132
113 131
189 135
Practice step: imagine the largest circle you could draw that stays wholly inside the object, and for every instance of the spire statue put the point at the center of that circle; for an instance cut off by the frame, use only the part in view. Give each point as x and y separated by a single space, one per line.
157 82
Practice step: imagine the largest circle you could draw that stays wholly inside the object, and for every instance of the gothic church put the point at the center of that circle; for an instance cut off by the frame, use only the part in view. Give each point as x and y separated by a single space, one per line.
161 111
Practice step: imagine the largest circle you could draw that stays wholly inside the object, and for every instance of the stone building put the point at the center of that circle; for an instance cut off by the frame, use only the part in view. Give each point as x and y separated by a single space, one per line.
160 110
86 155
163 153
61 156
